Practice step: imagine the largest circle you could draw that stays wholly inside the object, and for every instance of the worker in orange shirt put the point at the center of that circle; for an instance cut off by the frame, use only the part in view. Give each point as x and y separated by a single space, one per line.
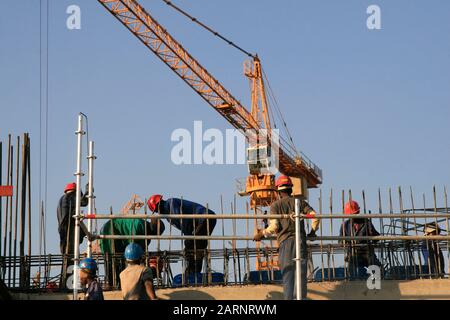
285 230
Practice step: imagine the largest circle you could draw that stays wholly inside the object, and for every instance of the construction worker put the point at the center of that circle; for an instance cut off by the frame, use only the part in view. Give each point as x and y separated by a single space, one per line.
136 280
431 251
285 230
66 222
114 248
66 226
88 279
359 253
195 249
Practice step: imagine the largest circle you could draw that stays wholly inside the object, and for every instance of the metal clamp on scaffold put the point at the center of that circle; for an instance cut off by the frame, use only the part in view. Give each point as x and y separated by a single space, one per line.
302 216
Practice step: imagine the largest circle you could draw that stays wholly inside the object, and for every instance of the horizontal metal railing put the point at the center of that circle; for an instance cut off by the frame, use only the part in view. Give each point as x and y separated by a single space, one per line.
326 249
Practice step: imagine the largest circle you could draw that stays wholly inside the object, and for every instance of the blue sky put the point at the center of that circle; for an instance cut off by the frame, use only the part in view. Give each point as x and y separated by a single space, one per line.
371 108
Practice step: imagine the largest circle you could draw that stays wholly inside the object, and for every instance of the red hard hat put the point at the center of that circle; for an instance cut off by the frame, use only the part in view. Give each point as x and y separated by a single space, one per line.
70 186
153 202
283 182
351 207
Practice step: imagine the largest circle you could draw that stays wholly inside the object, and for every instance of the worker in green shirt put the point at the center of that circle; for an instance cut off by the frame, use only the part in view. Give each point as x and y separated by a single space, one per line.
114 249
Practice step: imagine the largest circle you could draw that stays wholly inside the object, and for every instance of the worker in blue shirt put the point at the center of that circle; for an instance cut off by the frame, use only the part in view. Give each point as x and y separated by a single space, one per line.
195 249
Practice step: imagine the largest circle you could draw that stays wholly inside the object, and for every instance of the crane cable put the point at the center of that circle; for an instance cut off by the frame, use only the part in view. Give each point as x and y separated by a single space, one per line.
271 94
195 20
279 113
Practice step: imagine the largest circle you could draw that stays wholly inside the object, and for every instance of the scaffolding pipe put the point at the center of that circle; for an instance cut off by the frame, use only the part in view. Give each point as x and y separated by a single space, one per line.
298 251
260 216
91 196
78 175
317 238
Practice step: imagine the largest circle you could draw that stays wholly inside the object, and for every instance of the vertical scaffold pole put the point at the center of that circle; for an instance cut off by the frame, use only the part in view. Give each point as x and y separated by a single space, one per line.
298 251
91 157
78 175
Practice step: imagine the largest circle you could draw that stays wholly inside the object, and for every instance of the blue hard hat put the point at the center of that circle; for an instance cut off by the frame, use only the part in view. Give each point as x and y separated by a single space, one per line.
133 252
89 265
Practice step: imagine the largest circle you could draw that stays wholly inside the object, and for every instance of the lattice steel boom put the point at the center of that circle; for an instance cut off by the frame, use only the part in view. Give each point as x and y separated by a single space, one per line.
140 23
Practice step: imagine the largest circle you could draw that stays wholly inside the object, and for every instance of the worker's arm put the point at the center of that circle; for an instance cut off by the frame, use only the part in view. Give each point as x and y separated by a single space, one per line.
147 279
150 290
270 230
84 199
84 196
315 223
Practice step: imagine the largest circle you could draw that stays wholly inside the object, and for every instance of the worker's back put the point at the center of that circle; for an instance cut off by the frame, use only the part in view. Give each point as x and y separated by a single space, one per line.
286 229
358 227
66 222
132 281
361 251
181 206
127 227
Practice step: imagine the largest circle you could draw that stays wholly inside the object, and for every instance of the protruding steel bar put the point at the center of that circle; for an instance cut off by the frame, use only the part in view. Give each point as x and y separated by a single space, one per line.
331 230
403 228
391 210
1 205
415 226
426 242
28 148
437 262
16 211
247 258
447 226
321 234
233 241
380 210
344 244
146 242
10 210
5 233
113 263
23 211
208 252
225 258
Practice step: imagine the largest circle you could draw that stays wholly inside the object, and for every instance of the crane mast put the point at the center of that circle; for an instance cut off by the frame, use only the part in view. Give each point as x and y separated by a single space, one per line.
141 24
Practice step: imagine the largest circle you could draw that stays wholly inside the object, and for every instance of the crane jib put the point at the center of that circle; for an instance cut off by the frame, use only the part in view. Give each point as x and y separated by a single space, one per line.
140 23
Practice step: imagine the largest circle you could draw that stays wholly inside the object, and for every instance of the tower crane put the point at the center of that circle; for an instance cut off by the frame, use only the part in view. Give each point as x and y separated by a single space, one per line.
260 182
